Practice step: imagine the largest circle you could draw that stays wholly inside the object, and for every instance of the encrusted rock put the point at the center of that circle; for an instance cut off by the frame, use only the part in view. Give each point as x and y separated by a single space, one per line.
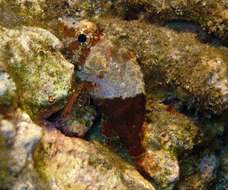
168 129
42 76
211 15
7 89
194 71
44 13
18 136
167 133
224 166
161 165
198 173
222 175
73 163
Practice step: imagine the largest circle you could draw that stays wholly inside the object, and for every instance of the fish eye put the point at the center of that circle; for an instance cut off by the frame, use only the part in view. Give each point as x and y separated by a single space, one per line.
82 38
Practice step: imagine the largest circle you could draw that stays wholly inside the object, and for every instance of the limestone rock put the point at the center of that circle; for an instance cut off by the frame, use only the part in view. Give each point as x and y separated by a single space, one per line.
18 137
7 89
72 163
193 71
42 76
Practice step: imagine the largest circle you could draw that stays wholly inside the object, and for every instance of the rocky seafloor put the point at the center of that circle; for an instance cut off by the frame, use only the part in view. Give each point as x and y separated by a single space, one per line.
180 143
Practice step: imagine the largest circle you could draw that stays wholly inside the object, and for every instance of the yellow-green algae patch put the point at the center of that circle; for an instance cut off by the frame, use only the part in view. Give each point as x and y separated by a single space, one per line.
41 73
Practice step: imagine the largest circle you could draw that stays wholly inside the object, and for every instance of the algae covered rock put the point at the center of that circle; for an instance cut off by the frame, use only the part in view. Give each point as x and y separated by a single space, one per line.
224 165
198 173
44 13
161 166
195 72
72 163
210 14
23 12
7 89
167 134
18 135
222 175
168 129
42 76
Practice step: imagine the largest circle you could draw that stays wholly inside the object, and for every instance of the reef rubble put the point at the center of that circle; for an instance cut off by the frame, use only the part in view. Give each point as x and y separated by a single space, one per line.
168 134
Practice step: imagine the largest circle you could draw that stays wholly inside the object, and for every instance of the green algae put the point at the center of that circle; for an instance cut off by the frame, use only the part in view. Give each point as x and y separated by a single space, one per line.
38 69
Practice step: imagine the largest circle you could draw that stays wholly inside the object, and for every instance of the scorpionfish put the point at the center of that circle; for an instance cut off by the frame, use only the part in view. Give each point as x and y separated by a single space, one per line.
116 80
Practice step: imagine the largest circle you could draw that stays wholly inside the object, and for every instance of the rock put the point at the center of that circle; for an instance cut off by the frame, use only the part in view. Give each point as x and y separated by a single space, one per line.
221 182
72 163
42 76
44 13
205 172
211 15
18 136
160 165
193 71
168 129
23 12
167 134
7 90
224 165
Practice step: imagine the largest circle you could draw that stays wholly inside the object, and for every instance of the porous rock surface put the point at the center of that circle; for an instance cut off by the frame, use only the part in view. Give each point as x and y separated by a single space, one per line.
196 72
72 163
200 172
18 136
42 75
167 134
211 15
7 89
